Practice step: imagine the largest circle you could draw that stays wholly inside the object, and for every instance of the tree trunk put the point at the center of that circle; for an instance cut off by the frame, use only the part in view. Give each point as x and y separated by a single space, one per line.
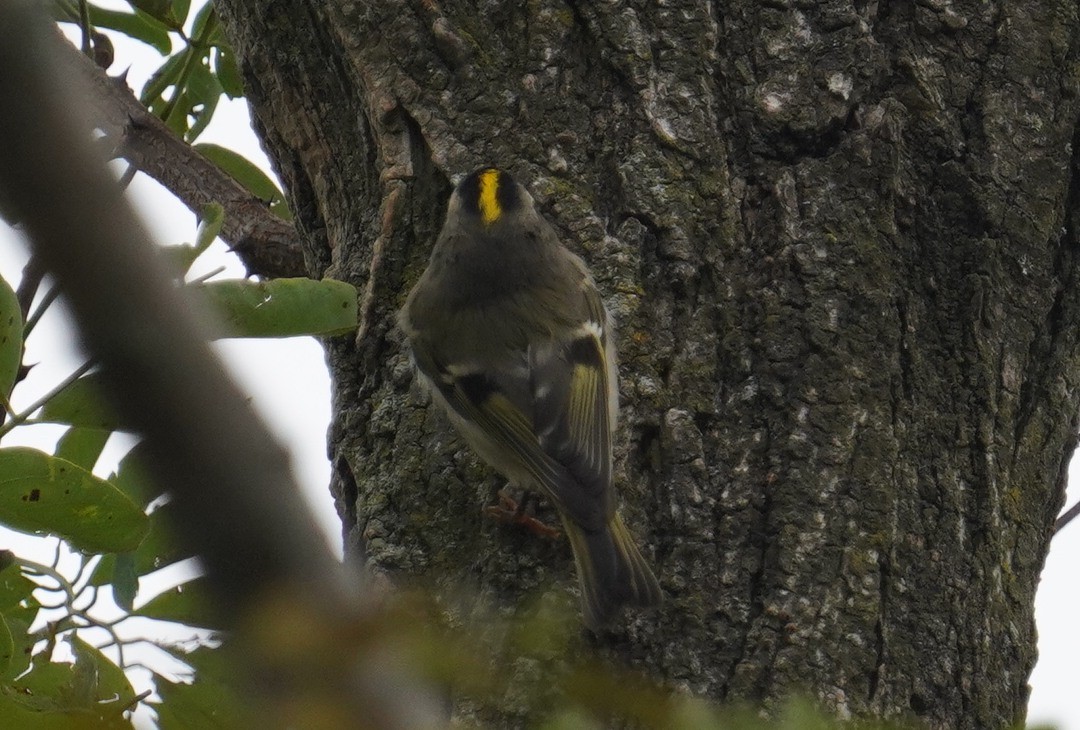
839 240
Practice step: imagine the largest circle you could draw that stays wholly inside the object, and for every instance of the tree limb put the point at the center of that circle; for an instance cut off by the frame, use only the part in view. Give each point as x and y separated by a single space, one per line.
264 242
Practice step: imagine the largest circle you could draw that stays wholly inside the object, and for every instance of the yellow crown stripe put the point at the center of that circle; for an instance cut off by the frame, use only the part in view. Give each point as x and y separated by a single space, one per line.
490 210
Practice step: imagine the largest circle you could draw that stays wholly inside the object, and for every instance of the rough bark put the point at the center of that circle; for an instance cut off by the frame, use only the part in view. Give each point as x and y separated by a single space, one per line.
839 240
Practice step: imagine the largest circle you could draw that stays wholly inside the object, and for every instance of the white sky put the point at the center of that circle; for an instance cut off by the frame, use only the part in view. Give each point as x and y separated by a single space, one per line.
289 386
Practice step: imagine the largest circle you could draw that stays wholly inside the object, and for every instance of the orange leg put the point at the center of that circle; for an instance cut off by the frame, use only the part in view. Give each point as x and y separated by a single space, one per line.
511 512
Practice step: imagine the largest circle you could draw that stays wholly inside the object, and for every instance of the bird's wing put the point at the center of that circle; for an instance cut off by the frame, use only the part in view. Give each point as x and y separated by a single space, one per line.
552 415
571 415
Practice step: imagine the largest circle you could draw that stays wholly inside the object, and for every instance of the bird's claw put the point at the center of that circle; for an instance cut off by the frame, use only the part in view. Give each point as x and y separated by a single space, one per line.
509 511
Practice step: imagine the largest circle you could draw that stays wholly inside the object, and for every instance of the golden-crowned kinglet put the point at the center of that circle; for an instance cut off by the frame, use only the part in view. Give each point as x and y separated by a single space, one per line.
508 330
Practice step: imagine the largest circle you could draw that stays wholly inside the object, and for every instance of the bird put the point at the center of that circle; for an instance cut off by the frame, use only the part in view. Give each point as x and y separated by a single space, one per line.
509 333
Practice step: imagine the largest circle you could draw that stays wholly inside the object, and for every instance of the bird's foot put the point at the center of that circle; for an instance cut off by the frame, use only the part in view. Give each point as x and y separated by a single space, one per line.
511 512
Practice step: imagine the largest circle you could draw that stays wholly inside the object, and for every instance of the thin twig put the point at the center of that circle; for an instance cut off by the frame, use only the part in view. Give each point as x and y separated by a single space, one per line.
18 419
48 299
84 563
116 640
1069 516
32 274
47 571
56 554
128 176
84 25
52 606
207 276
70 622
136 700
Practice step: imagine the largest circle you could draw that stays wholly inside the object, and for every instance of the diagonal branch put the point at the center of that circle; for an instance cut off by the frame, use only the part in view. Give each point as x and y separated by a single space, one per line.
268 246
1067 517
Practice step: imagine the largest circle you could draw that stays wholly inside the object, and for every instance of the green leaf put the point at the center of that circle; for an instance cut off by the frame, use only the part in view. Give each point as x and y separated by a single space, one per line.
180 9
19 620
11 338
179 257
133 479
83 404
7 647
160 10
82 446
213 215
200 98
104 680
49 686
281 307
63 695
40 494
281 209
165 76
242 170
205 28
185 604
125 581
140 26
19 609
213 700
228 72
158 550
16 714
15 588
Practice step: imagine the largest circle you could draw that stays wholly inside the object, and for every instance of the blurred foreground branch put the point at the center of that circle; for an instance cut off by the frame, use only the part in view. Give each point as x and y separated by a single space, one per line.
272 580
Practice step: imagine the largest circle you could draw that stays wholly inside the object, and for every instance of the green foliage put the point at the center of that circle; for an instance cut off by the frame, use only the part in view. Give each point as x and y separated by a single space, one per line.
118 525
43 494
184 604
139 25
184 91
228 72
181 257
248 175
11 338
18 607
82 446
166 12
159 549
111 521
213 699
282 307
81 403
89 692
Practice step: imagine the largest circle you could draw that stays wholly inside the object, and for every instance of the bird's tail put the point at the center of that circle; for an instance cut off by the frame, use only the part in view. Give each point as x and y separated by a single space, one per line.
611 571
